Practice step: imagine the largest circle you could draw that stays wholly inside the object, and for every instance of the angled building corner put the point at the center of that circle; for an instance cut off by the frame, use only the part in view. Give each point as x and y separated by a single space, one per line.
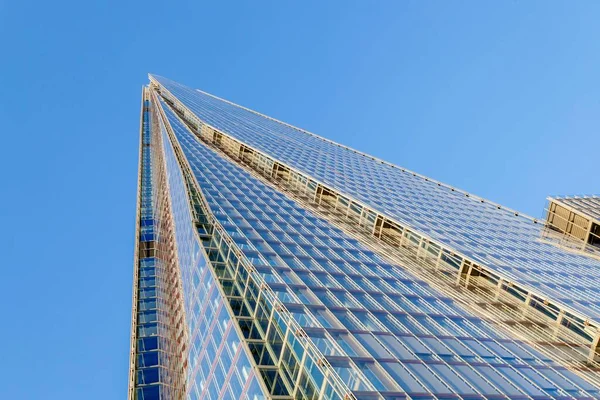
274 263
576 218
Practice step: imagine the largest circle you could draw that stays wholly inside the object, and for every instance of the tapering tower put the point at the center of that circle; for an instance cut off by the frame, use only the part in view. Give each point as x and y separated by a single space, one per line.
274 263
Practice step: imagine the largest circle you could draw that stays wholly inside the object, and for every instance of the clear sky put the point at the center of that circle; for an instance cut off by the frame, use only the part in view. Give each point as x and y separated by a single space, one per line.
499 98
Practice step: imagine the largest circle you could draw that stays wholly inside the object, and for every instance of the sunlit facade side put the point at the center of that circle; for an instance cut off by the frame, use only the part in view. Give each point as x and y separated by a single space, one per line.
289 288
577 218
197 349
157 365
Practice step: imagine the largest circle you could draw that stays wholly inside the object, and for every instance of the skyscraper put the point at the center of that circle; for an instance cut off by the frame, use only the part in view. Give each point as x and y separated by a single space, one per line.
273 263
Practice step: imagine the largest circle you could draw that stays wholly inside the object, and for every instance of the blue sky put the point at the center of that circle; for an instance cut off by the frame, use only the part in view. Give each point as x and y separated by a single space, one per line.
497 98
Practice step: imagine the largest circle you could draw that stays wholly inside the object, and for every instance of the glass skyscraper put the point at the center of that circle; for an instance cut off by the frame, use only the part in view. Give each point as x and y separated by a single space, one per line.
273 263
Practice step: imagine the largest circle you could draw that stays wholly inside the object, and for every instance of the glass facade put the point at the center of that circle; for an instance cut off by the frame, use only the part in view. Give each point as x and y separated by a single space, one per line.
279 297
218 365
157 367
492 236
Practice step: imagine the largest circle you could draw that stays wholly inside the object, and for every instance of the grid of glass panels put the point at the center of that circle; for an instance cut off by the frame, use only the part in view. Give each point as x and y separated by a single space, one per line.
496 238
260 316
380 329
146 268
157 375
218 366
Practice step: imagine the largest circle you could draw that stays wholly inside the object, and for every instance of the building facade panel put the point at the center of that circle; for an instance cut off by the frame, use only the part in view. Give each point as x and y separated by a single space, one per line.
270 264
157 364
578 219
381 329
219 367
490 235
